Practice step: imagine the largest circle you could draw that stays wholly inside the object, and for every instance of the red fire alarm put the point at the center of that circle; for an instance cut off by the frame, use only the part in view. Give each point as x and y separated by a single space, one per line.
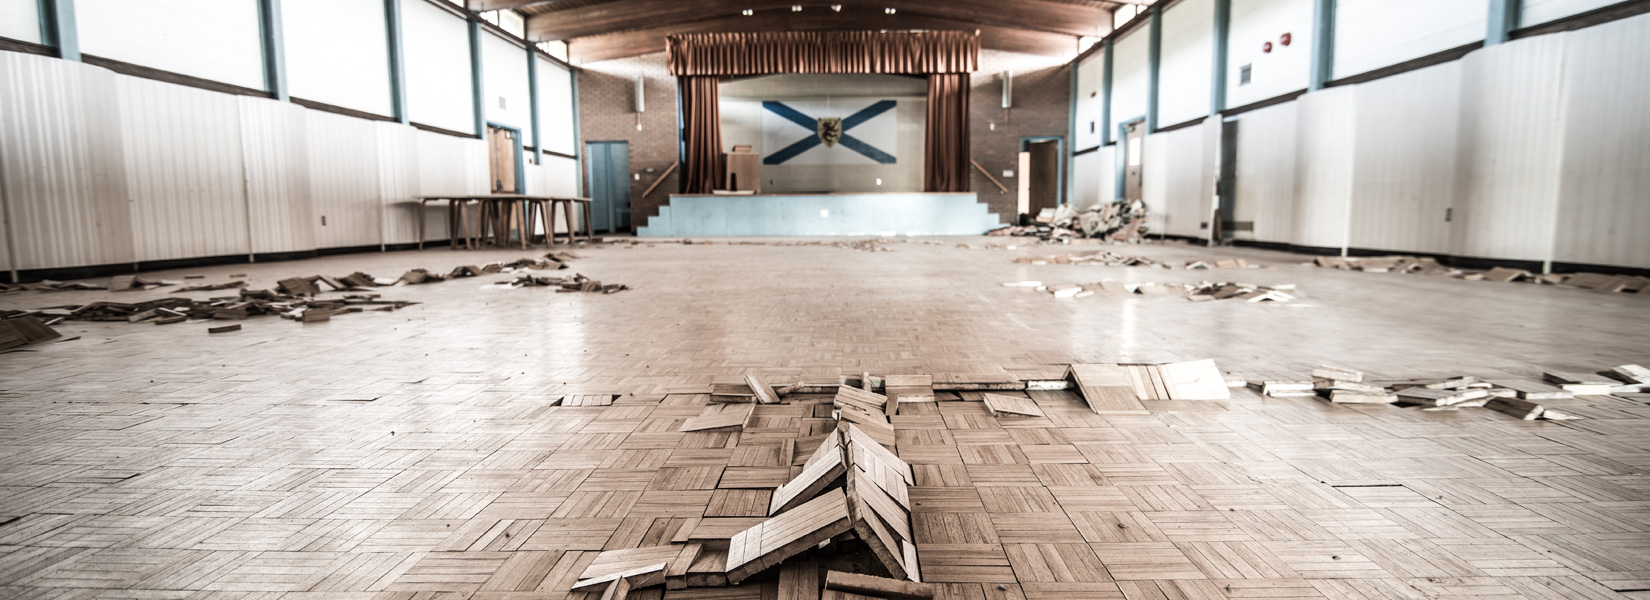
1266 47
1286 38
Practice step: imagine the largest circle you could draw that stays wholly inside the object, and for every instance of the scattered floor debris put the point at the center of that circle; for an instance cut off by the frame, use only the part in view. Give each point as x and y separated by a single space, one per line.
1515 397
23 330
1111 259
1197 292
250 303
1423 265
1113 221
576 283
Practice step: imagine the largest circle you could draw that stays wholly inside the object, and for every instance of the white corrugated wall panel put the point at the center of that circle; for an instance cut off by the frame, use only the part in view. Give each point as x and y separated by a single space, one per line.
61 162
183 170
448 165
1254 24
1188 55
275 144
1265 193
343 175
399 182
1323 167
1511 132
1085 180
1404 164
1370 34
1129 78
1155 170
1087 111
1177 171
1603 211
1536 12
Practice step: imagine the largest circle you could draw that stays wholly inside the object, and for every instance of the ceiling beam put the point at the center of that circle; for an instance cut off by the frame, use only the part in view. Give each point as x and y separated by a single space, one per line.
625 15
647 41
486 5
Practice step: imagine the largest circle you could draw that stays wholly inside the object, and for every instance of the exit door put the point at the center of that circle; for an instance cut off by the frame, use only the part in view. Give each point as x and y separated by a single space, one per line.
1134 142
609 164
504 159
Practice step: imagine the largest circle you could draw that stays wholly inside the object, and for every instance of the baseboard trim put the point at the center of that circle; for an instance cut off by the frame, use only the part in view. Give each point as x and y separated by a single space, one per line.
110 270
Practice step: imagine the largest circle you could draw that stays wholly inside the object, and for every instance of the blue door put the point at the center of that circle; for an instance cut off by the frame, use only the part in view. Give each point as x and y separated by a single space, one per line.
609 164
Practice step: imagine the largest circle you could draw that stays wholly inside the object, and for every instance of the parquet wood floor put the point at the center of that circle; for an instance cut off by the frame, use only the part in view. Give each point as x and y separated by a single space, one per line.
419 454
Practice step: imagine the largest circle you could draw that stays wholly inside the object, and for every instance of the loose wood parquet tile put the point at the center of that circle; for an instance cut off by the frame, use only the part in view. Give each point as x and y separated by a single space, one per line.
254 465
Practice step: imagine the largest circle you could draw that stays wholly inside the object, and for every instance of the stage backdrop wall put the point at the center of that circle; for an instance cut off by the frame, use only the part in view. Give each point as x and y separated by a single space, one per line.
883 143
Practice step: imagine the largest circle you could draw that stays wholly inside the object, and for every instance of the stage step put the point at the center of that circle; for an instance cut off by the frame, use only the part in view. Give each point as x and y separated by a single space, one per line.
822 215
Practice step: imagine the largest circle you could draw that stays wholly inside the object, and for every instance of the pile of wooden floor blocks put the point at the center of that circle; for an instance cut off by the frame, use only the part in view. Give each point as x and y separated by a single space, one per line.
1118 389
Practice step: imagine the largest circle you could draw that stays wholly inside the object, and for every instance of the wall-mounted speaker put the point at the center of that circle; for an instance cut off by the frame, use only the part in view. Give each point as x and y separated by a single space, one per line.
641 88
1008 89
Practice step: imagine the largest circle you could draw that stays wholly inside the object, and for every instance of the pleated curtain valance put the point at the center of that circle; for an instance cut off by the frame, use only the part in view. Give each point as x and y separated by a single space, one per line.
771 53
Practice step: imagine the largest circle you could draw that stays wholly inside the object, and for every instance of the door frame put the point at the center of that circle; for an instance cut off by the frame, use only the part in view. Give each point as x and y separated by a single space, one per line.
521 175
1059 163
1122 158
614 211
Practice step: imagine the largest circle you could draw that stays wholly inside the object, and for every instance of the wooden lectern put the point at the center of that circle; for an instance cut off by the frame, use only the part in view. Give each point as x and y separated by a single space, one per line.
744 170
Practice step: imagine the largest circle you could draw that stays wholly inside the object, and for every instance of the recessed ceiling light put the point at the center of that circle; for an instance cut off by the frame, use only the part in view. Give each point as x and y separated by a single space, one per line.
836 8
747 12
888 10
796 8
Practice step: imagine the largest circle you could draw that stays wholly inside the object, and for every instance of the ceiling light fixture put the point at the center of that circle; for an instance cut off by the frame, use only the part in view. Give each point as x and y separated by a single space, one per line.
747 12
888 10
796 8
836 8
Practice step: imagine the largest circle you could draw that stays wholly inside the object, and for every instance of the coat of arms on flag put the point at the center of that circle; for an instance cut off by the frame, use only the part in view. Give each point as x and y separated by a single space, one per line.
829 132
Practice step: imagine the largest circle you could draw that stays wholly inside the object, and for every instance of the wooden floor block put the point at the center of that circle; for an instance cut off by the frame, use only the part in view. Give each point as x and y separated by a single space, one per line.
1107 389
781 537
1013 405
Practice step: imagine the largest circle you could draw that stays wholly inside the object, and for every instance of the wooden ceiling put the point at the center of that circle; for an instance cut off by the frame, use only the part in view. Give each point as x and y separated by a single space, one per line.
606 29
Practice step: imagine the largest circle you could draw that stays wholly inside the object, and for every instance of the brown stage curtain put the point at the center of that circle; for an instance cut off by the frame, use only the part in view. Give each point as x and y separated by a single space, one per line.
702 118
945 148
774 52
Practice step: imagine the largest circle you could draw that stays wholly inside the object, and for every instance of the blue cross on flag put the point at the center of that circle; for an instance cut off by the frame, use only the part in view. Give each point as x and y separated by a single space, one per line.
829 132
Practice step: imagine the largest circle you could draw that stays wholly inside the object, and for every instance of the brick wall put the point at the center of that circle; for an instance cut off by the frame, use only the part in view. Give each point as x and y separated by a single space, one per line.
1042 100
607 112
1042 105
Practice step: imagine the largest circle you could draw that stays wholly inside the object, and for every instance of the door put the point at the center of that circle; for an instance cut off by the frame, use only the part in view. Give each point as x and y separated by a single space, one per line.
1043 175
1134 136
504 159
1226 185
609 164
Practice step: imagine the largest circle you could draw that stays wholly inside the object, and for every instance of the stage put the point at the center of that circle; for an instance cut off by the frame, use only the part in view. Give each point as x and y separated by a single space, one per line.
890 214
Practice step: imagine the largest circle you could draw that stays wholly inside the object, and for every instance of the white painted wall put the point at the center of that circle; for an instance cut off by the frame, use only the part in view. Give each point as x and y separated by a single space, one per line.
103 169
1264 191
1536 149
1129 78
1603 210
1188 58
20 20
337 53
1404 163
218 40
436 47
556 108
1090 77
1370 34
506 97
1536 12
1283 70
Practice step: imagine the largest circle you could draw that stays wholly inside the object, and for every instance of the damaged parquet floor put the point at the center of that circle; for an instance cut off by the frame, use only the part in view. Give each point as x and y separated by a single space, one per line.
417 454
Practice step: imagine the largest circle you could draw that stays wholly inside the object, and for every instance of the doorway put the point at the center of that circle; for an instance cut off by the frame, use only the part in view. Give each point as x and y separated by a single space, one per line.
1134 146
609 164
1225 222
504 159
1043 173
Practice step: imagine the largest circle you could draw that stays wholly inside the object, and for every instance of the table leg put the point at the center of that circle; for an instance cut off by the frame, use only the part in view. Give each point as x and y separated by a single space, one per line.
567 212
588 230
548 215
421 206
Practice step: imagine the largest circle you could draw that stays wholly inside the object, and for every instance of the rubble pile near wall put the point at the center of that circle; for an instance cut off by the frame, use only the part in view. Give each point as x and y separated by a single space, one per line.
1425 265
1201 291
1518 397
1111 221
